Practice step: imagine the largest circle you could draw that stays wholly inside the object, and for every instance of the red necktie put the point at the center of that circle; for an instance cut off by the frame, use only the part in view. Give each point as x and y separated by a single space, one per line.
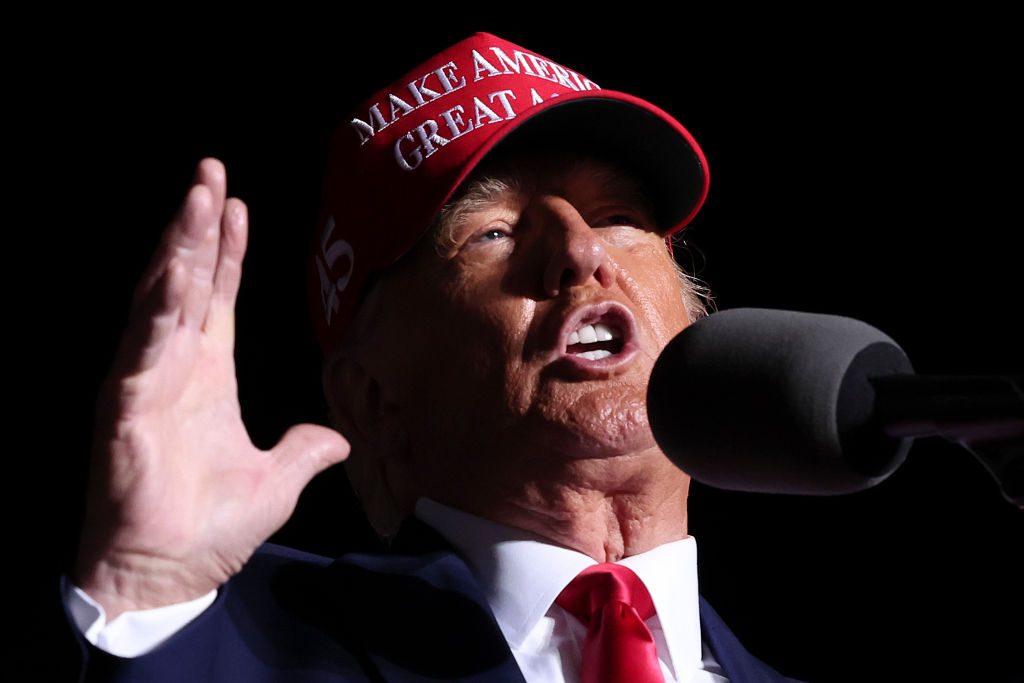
613 604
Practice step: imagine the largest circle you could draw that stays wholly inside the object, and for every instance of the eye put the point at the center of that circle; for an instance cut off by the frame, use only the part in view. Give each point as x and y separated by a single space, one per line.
620 219
496 233
492 235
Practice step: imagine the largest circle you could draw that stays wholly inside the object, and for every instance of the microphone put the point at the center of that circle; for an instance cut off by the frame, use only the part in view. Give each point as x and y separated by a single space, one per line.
785 402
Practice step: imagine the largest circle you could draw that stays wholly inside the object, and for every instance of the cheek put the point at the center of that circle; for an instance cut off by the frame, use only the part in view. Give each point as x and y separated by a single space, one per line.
485 336
673 316
658 295
507 370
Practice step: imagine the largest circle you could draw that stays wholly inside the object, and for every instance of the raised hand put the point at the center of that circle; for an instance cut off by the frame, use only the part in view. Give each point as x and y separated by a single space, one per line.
179 498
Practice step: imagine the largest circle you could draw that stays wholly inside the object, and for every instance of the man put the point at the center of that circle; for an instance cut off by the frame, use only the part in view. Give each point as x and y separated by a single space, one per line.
491 286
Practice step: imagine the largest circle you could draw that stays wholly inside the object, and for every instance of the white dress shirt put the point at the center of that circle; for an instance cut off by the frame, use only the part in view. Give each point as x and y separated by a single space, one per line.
521 576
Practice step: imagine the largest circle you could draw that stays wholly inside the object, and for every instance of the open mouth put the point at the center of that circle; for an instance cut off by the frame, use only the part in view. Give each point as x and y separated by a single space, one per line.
594 342
598 338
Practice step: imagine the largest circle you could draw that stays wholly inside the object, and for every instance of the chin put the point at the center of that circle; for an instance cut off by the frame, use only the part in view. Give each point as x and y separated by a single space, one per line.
602 426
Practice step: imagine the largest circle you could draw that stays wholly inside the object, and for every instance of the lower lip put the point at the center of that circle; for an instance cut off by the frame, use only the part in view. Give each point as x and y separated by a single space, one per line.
583 368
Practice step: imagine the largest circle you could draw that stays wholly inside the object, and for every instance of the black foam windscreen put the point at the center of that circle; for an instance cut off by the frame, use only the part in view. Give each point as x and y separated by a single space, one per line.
776 401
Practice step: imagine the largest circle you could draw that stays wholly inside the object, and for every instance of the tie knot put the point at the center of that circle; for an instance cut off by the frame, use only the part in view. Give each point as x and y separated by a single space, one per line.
601 584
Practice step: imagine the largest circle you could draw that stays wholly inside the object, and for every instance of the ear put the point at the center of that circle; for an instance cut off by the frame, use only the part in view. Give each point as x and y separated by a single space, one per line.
353 399
379 467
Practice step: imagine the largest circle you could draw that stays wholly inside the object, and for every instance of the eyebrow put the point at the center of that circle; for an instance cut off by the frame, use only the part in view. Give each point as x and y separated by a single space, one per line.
613 181
485 188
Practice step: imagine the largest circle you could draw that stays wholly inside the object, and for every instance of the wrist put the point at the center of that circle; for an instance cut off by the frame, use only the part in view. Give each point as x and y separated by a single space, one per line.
125 583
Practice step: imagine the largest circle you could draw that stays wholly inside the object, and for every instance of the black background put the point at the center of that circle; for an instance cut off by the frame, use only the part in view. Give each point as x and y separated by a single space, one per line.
866 166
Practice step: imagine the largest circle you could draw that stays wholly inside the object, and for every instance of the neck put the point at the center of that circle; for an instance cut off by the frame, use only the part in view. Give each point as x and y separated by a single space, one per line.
605 508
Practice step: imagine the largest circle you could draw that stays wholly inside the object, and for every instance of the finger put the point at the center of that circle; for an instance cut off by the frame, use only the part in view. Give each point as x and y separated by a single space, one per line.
152 323
305 451
184 234
211 173
204 257
234 234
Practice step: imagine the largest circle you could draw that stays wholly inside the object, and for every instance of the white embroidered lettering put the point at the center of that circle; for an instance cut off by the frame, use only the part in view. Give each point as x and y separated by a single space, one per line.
481 111
453 119
446 75
541 67
429 143
414 158
366 130
398 105
331 254
363 129
480 65
576 79
377 119
503 96
328 294
562 76
517 65
427 133
420 92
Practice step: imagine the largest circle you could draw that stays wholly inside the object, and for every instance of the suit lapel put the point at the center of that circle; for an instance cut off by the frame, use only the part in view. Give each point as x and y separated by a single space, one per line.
417 613
736 662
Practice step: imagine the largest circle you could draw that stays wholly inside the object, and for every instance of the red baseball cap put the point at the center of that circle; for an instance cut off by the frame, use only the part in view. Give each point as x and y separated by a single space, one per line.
405 151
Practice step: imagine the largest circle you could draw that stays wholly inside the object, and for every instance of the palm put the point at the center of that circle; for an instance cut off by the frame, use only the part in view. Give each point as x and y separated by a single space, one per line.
180 497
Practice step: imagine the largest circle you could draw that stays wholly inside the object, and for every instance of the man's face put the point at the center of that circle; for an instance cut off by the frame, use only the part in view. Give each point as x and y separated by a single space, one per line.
524 332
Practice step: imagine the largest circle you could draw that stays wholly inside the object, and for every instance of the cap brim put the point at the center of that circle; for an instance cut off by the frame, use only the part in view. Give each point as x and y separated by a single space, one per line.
642 139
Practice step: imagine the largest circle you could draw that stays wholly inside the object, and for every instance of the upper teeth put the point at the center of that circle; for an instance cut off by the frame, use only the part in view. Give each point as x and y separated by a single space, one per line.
588 334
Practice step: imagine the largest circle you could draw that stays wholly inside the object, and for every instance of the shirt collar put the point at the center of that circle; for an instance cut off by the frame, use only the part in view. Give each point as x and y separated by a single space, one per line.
521 575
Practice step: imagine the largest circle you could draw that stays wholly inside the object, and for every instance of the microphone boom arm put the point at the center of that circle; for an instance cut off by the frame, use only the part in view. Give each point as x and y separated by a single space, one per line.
983 414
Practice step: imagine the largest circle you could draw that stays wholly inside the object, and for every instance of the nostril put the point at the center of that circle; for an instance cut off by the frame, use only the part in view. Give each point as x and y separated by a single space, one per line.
568 277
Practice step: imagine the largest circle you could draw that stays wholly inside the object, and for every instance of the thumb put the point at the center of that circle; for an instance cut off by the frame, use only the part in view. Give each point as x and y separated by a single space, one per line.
306 450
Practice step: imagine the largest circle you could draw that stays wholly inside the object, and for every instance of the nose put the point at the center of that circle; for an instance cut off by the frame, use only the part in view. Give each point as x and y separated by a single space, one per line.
574 252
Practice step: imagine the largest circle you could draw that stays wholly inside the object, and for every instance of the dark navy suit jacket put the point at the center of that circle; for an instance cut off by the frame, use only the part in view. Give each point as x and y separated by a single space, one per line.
416 614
